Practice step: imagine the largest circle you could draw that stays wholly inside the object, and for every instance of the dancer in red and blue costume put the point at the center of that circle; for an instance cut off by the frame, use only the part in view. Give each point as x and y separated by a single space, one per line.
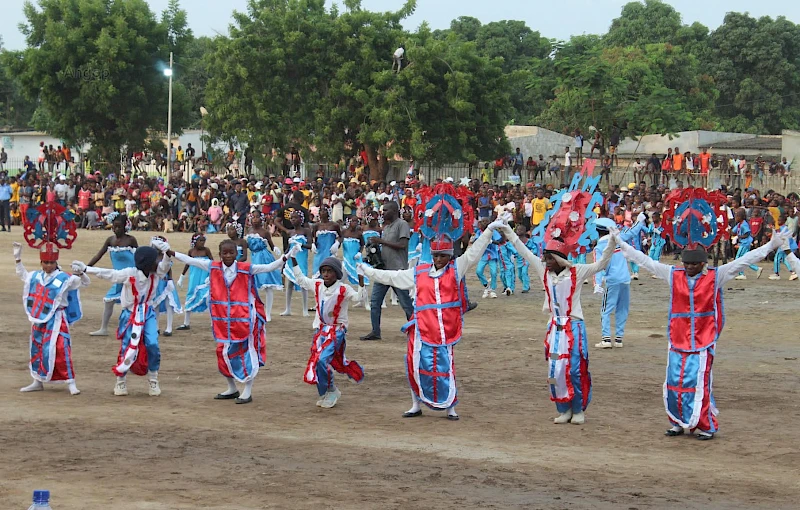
330 330
52 303
138 322
566 346
438 317
695 320
237 313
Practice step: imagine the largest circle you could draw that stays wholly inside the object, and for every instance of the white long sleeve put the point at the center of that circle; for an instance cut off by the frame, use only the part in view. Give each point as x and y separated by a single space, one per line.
204 264
267 268
401 279
794 262
535 262
112 275
21 271
472 255
662 271
584 271
729 271
303 280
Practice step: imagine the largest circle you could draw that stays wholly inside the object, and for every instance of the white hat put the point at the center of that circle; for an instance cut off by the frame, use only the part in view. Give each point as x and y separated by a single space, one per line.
259 184
215 185
296 179
62 177
393 183
448 179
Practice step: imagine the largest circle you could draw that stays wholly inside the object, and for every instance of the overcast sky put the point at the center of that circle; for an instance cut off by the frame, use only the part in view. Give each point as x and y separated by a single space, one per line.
552 19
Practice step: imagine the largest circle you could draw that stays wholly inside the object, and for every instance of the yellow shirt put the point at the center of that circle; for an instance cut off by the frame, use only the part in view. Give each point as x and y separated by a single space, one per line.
540 207
15 191
307 195
179 155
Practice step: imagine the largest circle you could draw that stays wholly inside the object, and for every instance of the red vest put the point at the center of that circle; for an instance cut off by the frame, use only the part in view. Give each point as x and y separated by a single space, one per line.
439 306
695 315
230 305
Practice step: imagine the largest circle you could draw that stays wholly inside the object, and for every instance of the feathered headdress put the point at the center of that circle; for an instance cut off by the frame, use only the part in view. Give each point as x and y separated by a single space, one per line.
50 223
695 218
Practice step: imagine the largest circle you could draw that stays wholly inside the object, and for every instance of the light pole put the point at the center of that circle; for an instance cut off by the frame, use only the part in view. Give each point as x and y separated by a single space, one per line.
168 72
203 113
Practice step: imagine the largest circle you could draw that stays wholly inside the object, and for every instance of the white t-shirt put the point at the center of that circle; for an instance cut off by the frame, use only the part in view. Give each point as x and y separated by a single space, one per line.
567 159
638 166
130 205
399 52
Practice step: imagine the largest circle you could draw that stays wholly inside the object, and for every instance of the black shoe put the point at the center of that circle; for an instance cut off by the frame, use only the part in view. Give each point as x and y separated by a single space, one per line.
525 291
371 336
232 396
167 333
673 433
408 414
182 327
453 417
244 400
705 437
472 305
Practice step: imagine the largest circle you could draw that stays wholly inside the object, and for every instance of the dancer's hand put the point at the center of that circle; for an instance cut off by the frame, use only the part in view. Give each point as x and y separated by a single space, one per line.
293 251
17 251
314 248
497 225
277 252
334 248
78 267
360 269
598 289
160 245
180 282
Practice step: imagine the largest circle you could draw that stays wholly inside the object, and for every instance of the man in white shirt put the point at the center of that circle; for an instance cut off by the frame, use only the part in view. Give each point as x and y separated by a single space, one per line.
61 189
567 168
397 58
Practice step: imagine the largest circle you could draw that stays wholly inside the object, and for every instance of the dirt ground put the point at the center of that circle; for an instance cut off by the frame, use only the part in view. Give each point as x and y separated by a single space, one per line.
184 450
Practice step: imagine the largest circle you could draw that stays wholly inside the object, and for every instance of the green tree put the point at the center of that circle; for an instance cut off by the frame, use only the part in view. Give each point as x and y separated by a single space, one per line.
94 69
641 23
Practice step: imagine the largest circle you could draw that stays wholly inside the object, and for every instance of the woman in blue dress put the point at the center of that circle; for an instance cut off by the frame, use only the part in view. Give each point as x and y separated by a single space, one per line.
263 251
326 239
120 248
167 300
197 293
298 235
351 246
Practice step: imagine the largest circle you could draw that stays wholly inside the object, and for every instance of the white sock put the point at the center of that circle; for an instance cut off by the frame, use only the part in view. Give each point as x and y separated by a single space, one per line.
231 387
108 311
305 302
414 403
121 379
169 319
34 386
452 411
152 376
73 389
248 388
268 303
187 318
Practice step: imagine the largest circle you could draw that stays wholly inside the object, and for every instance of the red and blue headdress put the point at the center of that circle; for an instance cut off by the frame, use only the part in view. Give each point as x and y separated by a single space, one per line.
694 218
49 228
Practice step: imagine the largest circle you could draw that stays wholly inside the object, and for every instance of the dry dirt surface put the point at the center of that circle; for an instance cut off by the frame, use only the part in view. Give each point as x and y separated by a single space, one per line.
184 450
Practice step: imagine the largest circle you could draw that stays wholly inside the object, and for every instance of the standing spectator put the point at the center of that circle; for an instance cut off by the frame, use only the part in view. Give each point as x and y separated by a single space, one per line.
5 205
3 159
579 146
519 161
394 252
61 189
705 167
567 168
248 160
294 159
613 143
397 58
190 153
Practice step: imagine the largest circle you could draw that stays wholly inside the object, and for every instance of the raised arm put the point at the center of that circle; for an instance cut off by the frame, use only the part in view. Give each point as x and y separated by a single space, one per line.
402 278
112 275
473 254
302 280
268 268
164 266
586 270
20 269
535 262
100 253
727 272
662 271
191 261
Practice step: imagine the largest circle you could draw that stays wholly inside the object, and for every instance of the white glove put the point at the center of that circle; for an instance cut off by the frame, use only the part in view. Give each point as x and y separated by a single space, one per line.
362 293
294 250
496 225
360 268
17 251
334 248
277 252
358 258
314 248
418 249
78 267
180 282
598 289
641 217
160 245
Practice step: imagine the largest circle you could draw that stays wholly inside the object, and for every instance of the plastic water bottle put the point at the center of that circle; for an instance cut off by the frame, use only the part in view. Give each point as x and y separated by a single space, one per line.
41 501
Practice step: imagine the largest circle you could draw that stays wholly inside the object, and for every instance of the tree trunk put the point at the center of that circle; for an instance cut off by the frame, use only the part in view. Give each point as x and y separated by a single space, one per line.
377 167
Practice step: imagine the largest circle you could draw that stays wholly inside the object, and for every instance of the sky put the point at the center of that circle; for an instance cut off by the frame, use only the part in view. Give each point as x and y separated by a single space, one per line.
557 20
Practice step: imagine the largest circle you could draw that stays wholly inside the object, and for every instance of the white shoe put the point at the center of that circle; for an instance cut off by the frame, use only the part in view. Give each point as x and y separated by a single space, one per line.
618 344
740 277
563 417
508 292
774 277
605 344
758 272
306 314
286 313
635 276
578 419
654 277
793 277
120 389
319 401
492 294
383 305
485 293
331 398
34 386
99 332
395 302
155 389
73 390
367 306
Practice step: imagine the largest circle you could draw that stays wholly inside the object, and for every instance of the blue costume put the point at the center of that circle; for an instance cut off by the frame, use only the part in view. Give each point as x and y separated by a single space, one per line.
780 255
489 258
121 257
657 241
350 247
522 265
742 230
301 258
507 257
167 295
197 293
261 254
324 242
413 247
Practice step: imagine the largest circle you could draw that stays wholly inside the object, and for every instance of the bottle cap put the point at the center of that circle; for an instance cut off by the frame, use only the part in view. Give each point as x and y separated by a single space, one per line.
41 496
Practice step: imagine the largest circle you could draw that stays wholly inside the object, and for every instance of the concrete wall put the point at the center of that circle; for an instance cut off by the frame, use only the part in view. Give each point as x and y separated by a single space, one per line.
685 140
533 140
790 148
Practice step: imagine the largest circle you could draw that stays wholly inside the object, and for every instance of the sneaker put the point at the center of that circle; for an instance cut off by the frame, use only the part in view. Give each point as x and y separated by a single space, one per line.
793 277
605 344
618 344
155 389
740 277
758 272
635 276
330 398
120 389
183 327
485 293
578 419
774 277
525 291
493 294
563 418
508 292
654 277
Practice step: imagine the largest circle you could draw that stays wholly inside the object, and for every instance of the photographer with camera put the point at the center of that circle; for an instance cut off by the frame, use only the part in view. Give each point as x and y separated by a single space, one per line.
393 245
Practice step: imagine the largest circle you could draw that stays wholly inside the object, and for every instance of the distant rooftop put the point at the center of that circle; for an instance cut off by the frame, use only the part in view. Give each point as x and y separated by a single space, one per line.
758 143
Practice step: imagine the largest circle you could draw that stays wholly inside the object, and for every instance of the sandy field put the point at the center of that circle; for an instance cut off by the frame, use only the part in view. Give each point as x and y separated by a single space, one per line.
184 450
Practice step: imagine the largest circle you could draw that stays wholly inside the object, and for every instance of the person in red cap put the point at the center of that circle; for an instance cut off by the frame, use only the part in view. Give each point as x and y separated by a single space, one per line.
566 346
435 326
52 304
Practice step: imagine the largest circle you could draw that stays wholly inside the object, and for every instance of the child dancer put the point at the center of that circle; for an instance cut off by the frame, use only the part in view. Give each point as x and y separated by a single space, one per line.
780 256
657 241
520 262
438 317
326 235
197 293
745 240
330 329
237 316
694 322
264 252
167 300
120 248
489 258
566 346
298 236
235 232
506 262
138 323
52 304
